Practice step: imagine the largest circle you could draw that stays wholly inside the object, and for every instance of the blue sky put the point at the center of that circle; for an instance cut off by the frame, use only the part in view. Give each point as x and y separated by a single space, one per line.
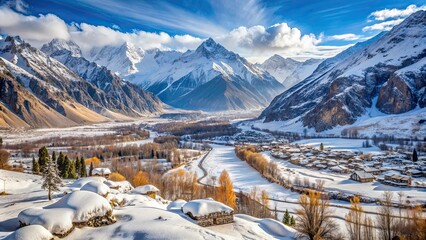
331 24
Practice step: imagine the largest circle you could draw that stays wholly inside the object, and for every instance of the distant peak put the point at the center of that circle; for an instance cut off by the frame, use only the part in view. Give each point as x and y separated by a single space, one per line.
57 45
16 39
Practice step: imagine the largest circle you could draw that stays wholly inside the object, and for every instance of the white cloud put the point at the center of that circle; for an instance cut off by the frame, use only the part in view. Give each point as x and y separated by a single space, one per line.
34 29
17 5
385 14
259 40
345 37
383 26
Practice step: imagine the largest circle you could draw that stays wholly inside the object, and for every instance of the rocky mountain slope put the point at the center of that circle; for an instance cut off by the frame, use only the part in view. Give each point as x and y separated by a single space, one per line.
386 72
44 81
288 71
183 80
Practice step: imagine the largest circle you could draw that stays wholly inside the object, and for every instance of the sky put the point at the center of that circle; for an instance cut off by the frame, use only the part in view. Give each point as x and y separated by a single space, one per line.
255 29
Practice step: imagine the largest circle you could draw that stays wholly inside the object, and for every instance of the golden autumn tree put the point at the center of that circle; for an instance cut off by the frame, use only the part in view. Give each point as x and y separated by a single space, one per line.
94 160
115 176
141 178
314 219
226 192
354 220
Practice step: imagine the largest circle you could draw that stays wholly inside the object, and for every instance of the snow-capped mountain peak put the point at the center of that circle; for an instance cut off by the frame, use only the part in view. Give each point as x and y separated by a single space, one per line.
59 44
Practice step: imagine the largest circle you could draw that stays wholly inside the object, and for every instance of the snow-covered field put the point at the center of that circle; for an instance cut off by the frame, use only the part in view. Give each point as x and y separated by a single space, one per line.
141 217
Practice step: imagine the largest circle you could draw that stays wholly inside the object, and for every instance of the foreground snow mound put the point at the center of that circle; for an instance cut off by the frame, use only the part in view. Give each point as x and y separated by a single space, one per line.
96 187
176 205
35 232
268 225
56 220
82 181
120 186
85 205
202 207
145 189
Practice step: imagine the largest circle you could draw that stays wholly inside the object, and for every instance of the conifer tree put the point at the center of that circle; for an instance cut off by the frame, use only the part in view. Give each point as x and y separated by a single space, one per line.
67 166
415 157
36 167
72 174
51 180
292 221
54 157
77 167
286 218
43 157
61 164
83 171
91 169
322 147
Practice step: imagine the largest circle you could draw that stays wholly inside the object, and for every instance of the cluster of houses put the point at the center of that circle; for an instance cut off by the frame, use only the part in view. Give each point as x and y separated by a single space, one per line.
391 168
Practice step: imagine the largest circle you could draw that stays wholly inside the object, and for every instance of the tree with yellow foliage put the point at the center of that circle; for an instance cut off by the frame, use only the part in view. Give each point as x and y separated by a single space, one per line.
354 220
141 178
226 192
94 160
314 219
115 176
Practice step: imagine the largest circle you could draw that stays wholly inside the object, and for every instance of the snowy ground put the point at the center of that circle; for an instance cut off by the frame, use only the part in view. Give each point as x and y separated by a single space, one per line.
339 144
139 218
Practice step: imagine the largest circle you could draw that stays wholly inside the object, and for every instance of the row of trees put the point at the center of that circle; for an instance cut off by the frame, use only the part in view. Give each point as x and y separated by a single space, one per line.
66 167
315 221
257 161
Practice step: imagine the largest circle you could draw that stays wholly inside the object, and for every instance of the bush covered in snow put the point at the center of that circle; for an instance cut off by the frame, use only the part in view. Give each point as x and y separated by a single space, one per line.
35 232
145 189
82 181
96 187
120 186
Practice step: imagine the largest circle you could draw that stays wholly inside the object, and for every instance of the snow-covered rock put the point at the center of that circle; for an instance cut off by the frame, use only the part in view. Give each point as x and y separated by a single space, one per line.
146 189
96 187
176 205
120 186
56 220
82 181
33 232
202 207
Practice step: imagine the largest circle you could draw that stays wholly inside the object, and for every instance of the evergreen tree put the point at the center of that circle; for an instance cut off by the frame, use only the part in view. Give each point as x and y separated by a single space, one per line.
415 157
54 157
51 180
91 169
292 221
67 166
1 142
43 157
36 167
83 170
322 147
60 162
77 167
72 174
286 218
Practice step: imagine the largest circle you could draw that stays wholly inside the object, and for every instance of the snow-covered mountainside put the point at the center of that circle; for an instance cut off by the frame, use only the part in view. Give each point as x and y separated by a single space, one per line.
390 68
209 78
127 97
288 71
45 81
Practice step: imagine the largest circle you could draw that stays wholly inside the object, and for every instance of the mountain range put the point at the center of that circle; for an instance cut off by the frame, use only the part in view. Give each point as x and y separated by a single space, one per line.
386 73
40 91
209 78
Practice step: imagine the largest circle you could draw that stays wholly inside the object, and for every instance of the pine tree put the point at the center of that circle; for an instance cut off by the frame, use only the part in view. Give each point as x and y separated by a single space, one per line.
83 171
415 157
322 147
54 157
36 167
66 167
60 162
43 157
292 221
72 174
286 218
51 180
91 169
77 167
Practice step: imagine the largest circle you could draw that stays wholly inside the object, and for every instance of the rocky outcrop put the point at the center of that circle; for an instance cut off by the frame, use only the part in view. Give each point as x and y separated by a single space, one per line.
396 97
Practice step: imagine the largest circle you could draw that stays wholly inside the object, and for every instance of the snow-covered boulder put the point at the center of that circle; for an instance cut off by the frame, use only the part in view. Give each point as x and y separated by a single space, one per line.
56 220
79 208
34 232
120 186
101 171
268 225
82 181
96 187
146 189
203 207
176 205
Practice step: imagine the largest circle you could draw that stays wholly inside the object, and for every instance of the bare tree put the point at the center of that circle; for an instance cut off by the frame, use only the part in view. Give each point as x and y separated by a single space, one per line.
385 220
314 218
